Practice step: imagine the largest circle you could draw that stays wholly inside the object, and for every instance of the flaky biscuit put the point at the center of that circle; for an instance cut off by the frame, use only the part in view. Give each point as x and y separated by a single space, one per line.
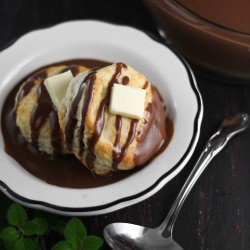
26 103
108 144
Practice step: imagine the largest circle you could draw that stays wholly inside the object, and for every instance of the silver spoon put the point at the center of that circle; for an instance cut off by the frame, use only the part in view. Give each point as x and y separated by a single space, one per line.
125 236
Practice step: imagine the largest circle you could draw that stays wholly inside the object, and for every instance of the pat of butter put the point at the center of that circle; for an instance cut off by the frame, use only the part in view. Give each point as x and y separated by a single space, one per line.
57 86
127 101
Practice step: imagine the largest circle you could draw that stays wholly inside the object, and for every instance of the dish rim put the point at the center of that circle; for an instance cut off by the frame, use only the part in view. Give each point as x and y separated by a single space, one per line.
207 22
133 199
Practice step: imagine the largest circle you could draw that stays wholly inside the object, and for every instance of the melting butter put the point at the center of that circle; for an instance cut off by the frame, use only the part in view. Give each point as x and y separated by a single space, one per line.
127 101
57 86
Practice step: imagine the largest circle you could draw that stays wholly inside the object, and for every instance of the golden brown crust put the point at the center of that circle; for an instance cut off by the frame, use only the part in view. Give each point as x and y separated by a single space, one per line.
105 143
25 107
103 162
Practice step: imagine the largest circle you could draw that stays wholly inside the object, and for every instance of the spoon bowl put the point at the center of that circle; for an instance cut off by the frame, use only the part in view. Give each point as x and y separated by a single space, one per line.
124 236
121 236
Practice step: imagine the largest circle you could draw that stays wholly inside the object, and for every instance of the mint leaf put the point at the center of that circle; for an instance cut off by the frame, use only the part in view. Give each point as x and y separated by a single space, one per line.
62 245
92 243
76 243
29 228
16 215
9 234
26 244
38 226
74 229
41 226
8 245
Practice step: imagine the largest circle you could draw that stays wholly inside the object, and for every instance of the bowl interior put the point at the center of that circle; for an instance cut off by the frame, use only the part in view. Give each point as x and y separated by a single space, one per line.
163 69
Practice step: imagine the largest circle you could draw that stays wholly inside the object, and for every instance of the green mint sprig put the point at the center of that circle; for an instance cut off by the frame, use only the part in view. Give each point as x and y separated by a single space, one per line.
23 233
76 238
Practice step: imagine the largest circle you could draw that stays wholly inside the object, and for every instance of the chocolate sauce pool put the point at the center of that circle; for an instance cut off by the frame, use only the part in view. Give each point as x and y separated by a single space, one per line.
65 171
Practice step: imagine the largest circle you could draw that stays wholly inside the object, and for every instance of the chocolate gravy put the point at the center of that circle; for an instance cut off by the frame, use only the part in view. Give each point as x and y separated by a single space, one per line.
72 121
66 170
99 123
213 35
232 14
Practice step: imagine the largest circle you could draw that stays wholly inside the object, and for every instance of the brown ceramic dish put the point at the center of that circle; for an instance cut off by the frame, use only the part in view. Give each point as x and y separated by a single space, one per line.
213 36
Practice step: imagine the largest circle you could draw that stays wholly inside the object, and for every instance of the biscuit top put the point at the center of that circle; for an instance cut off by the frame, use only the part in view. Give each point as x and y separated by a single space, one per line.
91 129
33 95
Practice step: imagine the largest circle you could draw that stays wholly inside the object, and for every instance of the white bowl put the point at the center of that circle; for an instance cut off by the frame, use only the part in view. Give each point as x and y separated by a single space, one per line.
113 43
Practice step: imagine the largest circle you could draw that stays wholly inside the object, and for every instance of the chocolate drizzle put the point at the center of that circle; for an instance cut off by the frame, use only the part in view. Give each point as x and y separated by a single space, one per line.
116 148
56 136
30 83
153 135
100 121
74 69
153 129
86 88
114 79
40 112
120 152
125 80
145 85
67 171
87 101
44 108
72 119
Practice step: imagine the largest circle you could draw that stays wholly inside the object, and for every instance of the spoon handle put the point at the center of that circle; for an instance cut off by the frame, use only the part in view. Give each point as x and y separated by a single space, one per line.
230 127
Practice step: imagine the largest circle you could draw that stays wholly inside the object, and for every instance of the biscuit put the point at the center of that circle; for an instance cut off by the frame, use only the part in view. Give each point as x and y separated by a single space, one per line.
36 117
105 142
